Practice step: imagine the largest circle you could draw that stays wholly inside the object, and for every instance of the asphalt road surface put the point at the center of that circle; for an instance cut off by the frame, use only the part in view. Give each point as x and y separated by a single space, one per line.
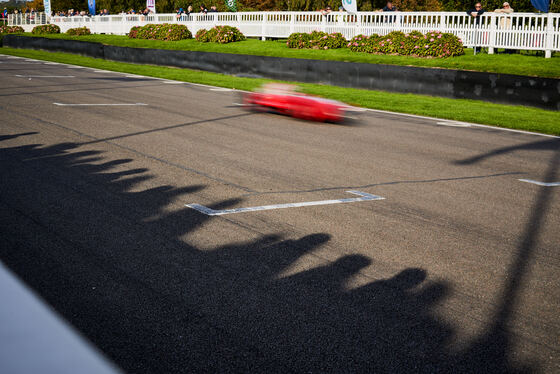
455 270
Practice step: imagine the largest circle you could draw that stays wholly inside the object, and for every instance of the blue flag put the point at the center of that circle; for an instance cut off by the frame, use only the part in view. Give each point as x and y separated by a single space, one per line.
91 7
541 5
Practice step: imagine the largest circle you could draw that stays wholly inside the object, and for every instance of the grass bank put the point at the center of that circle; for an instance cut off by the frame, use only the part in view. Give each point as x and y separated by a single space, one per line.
520 64
514 117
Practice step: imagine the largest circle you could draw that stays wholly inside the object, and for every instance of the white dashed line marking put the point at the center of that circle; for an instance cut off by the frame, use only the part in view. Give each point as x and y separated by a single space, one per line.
113 104
552 184
45 76
211 212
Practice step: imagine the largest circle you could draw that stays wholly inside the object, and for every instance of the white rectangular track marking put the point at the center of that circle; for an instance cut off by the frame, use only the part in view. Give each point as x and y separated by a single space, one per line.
212 212
45 76
115 104
551 184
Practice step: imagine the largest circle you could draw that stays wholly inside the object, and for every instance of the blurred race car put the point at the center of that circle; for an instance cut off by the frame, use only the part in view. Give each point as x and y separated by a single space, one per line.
284 99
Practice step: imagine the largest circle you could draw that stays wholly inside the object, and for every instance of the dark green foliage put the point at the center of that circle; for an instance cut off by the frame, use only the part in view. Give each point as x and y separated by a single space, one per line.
133 33
46 29
11 29
316 40
164 31
433 44
363 43
298 40
79 31
220 34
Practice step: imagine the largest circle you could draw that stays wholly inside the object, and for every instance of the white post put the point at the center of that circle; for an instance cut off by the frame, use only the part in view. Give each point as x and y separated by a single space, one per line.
492 41
397 21
324 23
549 36
265 17
292 22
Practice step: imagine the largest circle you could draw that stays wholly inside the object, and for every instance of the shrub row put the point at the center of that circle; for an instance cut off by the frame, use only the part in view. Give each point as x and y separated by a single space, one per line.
220 34
165 31
79 31
316 40
432 44
46 29
11 29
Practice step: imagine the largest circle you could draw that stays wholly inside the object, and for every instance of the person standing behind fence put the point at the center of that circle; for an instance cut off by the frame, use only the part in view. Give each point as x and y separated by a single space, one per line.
505 22
476 13
389 8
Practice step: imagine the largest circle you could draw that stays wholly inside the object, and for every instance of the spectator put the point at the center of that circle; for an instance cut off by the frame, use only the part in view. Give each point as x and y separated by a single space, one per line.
505 22
189 10
389 7
326 11
203 9
476 13
213 9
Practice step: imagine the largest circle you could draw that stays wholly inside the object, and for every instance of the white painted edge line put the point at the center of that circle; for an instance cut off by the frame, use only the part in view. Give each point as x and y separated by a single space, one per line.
51 63
367 109
45 76
173 82
212 212
453 124
221 89
112 104
552 184
140 76
466 123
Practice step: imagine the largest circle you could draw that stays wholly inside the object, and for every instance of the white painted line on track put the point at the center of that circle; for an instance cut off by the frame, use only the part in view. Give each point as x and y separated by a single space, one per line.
471 124
220 89
139 76
453 124
212 212
45 76
113 104
173 82
552 184
51 63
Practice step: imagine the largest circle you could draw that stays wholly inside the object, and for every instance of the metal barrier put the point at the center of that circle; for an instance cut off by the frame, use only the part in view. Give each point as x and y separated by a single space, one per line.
527 31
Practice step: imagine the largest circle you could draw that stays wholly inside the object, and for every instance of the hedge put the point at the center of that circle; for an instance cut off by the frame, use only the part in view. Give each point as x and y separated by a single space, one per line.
46 29
432 44
165 31
79 31
220 34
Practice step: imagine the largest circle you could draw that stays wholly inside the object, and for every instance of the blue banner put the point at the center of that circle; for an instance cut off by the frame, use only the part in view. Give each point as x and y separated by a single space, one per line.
47 5
541 5
91 7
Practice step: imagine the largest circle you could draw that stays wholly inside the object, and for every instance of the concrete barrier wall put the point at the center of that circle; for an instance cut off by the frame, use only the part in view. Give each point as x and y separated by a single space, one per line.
498 88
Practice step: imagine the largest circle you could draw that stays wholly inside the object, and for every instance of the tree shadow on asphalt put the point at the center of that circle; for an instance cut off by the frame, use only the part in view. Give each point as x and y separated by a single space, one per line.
114 262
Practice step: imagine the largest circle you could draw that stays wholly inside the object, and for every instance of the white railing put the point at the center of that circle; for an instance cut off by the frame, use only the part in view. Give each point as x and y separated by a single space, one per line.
527 31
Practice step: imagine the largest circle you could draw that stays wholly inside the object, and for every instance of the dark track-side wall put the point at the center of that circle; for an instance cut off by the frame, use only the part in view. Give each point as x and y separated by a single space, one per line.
498 88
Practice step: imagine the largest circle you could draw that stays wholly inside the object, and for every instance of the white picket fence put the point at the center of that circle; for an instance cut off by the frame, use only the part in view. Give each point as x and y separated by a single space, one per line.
526 31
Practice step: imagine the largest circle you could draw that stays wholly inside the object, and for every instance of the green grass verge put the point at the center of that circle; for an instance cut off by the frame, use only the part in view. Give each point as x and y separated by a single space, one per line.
514 117
520 64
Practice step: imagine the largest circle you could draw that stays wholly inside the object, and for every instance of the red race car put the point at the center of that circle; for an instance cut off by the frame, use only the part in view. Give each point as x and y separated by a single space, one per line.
283 99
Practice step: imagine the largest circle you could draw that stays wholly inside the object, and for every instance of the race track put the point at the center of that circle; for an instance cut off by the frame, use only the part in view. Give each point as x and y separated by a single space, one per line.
455 270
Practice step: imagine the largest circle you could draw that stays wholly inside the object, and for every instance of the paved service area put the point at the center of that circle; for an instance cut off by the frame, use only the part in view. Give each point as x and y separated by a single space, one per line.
455 269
